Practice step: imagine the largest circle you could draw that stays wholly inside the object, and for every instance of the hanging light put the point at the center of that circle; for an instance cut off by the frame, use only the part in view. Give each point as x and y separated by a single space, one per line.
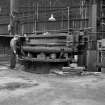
52 18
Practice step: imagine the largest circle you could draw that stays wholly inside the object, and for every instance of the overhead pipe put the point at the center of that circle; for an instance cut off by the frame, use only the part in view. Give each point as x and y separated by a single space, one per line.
14 5
13 10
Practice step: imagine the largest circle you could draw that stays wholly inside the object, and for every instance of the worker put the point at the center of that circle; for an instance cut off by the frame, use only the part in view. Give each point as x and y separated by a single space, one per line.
18 47
10 29
13 54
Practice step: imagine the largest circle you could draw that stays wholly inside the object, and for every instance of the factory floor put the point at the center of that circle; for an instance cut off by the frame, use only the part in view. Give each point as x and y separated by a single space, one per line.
18 87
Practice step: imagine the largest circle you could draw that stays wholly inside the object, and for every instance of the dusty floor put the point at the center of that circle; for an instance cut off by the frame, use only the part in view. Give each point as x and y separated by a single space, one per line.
22 88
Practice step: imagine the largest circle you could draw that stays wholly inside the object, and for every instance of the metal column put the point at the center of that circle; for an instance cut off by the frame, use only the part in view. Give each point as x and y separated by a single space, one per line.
91 52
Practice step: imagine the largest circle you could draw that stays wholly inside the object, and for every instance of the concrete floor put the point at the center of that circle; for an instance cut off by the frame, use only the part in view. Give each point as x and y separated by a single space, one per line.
22 88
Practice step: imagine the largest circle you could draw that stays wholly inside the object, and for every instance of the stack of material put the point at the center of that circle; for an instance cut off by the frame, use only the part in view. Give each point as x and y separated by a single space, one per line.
73 70
69 70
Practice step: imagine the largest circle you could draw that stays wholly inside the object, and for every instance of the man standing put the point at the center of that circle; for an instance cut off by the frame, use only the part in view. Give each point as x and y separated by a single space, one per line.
13 51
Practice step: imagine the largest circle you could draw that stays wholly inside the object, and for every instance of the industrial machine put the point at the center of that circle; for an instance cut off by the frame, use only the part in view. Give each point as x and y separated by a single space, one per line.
51 50
53 35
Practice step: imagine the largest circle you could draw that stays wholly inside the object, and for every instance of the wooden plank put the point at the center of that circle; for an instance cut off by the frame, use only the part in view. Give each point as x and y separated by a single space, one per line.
35 41
49 36
45 60
46 49
47 44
